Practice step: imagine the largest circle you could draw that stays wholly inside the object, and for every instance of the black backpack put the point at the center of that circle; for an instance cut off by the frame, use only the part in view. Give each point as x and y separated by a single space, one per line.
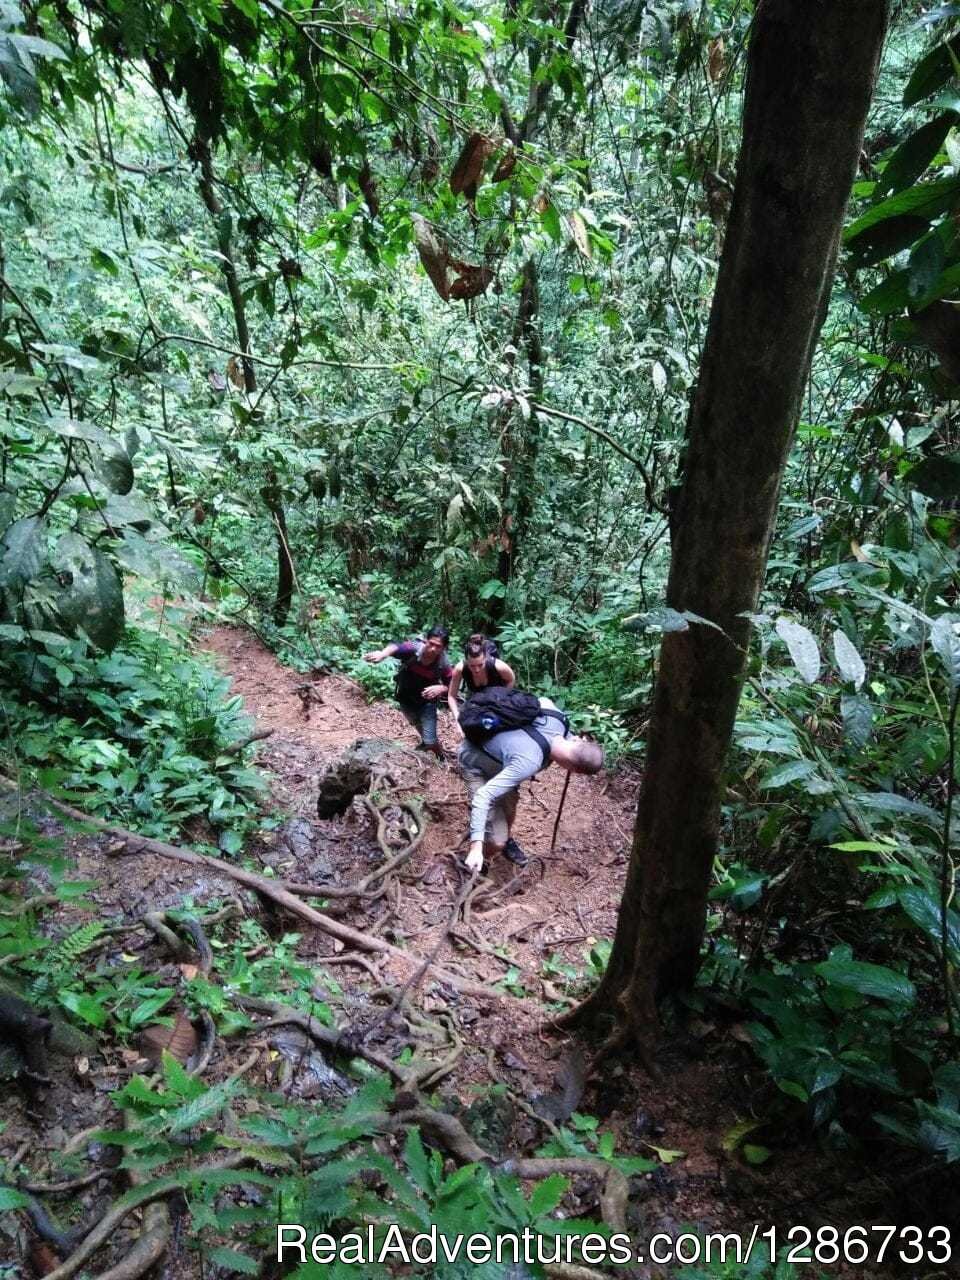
498 710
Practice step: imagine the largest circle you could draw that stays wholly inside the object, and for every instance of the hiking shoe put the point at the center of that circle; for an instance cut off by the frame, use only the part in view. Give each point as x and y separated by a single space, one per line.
513 853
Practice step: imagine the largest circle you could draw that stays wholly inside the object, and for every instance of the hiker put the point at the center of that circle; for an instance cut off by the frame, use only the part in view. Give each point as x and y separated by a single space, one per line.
423 677
480 668
494 761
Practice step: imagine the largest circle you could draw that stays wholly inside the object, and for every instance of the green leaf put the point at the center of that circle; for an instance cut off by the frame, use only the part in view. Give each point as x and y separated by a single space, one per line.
230 1259
945 642
803 647
857 714
415 1158
755 1154
10 1199
890 802
203 1108
177 1079
931 72
923 908
492 587
927 260
551 222
104 261
148 1009
547 1195
91 593
867 980
913 156
849 663
894 293
84 1007
926 201
116 469
22 551
791 772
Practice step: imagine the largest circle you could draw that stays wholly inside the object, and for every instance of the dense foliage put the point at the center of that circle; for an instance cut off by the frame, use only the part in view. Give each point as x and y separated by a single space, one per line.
337 322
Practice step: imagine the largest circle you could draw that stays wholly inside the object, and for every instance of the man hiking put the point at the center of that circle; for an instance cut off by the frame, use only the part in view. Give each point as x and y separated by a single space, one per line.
423 677
494 764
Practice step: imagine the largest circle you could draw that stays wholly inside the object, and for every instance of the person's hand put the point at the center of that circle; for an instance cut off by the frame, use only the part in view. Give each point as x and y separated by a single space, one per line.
375 656
474 859
433 691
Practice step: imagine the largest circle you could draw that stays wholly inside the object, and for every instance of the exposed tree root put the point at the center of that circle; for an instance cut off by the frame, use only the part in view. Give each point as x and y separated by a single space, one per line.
329 1037
149 1249
158 1189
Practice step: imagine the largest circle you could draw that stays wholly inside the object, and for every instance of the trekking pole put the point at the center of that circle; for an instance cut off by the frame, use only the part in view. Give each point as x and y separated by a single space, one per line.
556 825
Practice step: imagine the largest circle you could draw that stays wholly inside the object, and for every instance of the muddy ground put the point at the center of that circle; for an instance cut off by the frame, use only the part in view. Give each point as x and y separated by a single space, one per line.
526 936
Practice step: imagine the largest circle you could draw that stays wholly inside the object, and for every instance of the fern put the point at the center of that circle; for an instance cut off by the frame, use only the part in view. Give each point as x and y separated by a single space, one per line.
75 944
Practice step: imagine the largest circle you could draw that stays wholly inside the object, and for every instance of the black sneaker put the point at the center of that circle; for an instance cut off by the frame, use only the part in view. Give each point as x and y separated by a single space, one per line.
513 853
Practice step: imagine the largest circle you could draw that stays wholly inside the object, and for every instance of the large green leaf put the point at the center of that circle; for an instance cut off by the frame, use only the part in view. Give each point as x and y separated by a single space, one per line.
22 551
91 593
868 980
924 202
894 293
931 72
945 642
923 908
803 647
857 714
913 156
116 469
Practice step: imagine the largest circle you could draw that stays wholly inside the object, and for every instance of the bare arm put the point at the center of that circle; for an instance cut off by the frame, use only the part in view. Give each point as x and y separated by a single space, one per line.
452 692
506 674
378 655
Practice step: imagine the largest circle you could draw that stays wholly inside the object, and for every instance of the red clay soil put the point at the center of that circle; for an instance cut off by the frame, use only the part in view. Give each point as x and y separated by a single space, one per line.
566 903
562 905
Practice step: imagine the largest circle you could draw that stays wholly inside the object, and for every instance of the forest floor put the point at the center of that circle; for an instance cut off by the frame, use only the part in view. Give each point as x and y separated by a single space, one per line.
524 936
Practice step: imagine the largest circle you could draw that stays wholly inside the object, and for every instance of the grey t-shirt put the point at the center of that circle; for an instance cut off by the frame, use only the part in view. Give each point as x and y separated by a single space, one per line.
507 759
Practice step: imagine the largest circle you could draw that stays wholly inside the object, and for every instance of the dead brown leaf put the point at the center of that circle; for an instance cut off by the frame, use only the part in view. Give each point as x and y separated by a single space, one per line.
466 172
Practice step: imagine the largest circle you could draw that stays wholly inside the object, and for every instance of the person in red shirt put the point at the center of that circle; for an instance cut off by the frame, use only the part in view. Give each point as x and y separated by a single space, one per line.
423 677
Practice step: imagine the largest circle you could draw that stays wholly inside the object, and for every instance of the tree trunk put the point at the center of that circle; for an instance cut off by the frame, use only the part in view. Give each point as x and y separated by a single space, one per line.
520 443
811 70
271 492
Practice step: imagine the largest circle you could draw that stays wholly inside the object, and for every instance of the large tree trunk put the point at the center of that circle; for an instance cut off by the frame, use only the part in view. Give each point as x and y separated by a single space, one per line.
811 70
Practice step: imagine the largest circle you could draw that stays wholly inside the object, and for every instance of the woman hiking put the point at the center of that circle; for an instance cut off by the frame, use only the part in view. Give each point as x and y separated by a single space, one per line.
480 668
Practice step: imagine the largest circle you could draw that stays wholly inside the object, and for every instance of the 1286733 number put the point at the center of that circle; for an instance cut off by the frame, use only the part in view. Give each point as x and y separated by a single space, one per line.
874 1243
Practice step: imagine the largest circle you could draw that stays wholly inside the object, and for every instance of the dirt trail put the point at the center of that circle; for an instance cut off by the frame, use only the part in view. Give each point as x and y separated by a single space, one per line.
567 901
704 1089
550 920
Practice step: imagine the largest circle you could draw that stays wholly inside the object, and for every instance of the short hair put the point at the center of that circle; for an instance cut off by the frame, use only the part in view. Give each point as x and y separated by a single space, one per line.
440 633
586 755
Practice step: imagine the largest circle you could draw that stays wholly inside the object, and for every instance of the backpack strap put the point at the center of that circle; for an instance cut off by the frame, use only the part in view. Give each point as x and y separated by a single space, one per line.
536 736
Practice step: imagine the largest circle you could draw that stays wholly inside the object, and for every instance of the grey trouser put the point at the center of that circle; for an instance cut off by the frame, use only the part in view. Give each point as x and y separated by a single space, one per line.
478 769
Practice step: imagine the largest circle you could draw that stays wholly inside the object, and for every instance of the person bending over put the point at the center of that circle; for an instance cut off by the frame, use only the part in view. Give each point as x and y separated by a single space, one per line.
422 678
479 669
494 771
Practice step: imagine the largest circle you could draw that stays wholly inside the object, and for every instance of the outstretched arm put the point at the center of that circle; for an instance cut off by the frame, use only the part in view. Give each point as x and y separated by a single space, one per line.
378 655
